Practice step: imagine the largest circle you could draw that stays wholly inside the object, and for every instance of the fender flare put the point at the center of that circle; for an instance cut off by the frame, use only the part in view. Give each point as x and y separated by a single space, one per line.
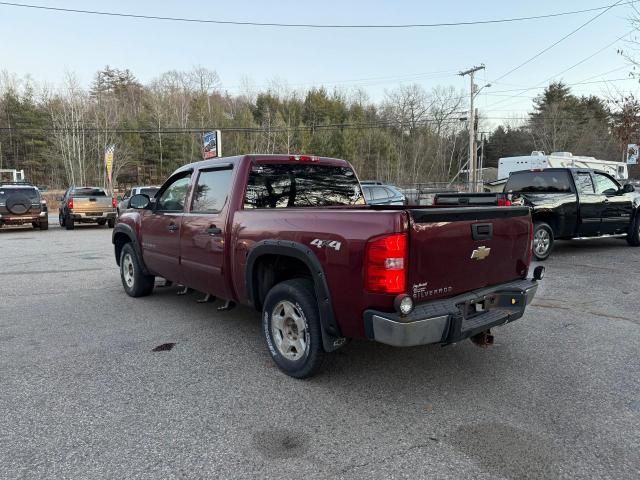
331 335
127 230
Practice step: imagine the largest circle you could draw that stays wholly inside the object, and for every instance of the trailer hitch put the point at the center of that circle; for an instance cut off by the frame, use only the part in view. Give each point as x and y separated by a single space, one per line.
483 339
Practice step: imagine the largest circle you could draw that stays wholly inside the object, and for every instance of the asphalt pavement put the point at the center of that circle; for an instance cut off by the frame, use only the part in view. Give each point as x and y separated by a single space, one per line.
83 394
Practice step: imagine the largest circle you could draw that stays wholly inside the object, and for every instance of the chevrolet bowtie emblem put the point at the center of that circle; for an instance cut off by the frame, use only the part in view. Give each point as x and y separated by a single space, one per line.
480 253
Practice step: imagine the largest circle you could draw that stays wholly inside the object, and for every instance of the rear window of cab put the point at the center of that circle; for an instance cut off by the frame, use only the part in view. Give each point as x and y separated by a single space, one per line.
539 182
88 192
295 185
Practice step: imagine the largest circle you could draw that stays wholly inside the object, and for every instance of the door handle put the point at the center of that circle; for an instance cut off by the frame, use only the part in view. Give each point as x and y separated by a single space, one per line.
213 230
172 227
606 200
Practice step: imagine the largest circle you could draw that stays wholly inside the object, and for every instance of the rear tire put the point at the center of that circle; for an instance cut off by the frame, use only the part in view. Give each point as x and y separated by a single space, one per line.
542 241
69 224
291 326
111 222
633 237
44 224
134 281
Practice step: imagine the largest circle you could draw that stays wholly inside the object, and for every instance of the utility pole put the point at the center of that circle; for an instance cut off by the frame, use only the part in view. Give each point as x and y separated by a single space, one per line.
483 137
477 179
472 127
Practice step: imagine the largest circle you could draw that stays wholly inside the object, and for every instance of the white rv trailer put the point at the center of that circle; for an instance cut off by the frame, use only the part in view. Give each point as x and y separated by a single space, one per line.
537 160
10 175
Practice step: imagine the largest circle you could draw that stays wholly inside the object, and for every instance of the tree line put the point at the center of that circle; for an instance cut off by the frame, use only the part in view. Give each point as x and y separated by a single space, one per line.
59 135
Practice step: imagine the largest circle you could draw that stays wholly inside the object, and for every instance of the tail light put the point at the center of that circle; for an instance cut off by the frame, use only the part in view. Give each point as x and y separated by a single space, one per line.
70 202
386 264
304 158
504 202
114 202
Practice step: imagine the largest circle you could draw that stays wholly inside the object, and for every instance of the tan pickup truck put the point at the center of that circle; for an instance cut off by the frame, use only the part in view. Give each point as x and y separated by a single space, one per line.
87 205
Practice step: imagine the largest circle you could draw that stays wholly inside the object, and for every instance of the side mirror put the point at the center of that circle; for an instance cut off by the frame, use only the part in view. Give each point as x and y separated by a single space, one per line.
628 188
140 201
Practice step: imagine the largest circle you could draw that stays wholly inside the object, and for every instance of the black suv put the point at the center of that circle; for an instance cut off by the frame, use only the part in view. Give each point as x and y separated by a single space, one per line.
21 204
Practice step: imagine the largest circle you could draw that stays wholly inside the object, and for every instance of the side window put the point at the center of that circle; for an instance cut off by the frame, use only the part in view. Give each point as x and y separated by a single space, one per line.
380 193
367 193
605 185
584 183
173 198
212 191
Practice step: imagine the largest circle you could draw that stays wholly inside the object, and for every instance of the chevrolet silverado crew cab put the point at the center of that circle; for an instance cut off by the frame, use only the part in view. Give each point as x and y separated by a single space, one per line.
293 237
570 203
87 205
22 204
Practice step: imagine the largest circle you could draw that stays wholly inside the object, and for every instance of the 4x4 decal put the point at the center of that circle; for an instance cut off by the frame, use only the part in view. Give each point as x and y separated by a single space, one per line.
326 243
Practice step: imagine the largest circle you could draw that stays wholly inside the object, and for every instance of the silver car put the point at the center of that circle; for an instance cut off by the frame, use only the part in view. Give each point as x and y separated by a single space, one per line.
124 201
377 193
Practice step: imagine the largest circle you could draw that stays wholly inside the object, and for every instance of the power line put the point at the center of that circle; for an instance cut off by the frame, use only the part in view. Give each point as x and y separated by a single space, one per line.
587 81
382 124
589 57
592 19
200 130
602 9
494 94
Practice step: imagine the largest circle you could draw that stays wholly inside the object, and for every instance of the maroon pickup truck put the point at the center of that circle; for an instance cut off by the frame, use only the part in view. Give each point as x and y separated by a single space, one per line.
292 237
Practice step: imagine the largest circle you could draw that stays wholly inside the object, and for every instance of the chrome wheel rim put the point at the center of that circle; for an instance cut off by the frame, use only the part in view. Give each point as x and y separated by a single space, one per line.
541 242
289 330
128 270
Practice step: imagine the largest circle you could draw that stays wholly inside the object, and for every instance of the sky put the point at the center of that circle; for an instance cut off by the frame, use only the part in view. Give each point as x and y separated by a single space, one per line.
46 45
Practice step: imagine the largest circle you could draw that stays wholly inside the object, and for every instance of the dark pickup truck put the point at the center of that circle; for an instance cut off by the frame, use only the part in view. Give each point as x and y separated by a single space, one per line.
293 237
569 203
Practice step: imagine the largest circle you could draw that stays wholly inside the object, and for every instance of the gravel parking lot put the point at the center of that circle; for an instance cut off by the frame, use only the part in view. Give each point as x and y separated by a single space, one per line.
84 396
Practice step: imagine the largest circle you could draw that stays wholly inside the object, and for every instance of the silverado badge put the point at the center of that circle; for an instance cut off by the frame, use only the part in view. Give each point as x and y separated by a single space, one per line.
480 253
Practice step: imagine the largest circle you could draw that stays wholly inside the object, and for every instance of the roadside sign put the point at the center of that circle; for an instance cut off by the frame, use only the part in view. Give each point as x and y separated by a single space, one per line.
211 144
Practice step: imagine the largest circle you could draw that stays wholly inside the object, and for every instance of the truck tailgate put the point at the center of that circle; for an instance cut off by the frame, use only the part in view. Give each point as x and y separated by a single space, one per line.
99 204
456 250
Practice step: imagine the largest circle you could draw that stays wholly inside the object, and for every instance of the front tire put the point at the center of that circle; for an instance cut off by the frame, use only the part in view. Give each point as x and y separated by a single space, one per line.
111 222
44 224
291 326
542 241
134 281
